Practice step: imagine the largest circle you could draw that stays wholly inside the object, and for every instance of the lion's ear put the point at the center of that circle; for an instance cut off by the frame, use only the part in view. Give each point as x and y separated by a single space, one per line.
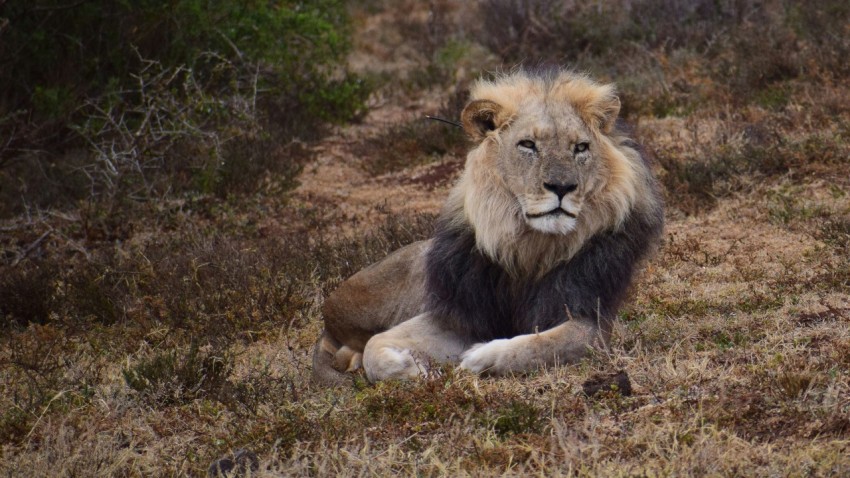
480 117
603 112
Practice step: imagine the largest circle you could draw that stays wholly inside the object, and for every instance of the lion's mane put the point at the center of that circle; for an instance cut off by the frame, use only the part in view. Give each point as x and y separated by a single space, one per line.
490 276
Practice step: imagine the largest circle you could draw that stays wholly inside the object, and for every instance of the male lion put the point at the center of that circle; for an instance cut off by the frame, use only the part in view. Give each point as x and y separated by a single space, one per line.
533 251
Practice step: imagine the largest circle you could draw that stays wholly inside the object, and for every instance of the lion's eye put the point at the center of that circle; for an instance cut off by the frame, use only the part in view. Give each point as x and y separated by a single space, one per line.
581 147
527 144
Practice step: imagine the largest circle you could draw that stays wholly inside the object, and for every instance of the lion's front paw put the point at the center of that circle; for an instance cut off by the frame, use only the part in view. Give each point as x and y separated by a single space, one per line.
490 357
385 363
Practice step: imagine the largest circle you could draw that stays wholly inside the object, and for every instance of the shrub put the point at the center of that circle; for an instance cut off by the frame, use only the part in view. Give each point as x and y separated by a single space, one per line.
41 371
517 417
727 163
743 45
26 295
169 378
195 90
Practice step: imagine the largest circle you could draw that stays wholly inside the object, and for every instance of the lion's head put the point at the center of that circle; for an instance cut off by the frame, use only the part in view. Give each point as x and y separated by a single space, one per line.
549 170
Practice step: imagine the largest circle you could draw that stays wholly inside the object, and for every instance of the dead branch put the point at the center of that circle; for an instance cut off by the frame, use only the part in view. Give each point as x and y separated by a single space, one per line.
27 250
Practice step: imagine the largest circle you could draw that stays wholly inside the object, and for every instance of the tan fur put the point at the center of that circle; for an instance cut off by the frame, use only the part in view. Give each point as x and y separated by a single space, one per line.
501 195
482 199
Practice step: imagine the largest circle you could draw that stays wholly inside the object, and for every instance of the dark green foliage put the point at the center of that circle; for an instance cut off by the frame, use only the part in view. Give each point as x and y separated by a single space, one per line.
55 54
517 417
145 99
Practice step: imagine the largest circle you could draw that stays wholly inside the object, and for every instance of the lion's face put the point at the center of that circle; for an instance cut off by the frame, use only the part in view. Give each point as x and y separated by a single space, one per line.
546 161
543 136
548 171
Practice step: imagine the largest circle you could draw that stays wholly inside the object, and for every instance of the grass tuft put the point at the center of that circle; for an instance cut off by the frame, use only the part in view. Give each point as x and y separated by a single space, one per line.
168 378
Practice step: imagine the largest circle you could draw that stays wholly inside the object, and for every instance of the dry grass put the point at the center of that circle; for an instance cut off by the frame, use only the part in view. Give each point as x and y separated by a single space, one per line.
416 142
152 339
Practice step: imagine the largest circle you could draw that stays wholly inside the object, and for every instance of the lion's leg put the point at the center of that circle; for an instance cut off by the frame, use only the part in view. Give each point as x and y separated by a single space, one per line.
406 350
372 301
331 360
566 343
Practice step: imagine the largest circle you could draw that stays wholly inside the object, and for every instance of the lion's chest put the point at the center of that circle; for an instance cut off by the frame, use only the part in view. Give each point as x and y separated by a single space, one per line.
477 298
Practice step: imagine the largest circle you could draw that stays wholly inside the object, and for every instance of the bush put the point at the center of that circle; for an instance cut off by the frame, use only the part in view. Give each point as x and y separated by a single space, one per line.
167 378
42 371
517 417
188 90
665 48
26 295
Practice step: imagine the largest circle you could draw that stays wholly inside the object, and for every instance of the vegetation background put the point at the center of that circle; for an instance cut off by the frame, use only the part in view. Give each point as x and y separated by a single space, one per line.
183 182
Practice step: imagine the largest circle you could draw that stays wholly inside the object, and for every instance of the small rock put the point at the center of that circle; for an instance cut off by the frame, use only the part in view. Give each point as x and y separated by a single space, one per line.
235 466
618 383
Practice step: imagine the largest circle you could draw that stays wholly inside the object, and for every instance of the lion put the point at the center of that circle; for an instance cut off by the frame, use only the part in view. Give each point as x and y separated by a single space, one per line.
532 254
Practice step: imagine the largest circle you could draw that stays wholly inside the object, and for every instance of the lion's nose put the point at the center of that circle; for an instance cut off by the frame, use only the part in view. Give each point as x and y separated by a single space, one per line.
559 189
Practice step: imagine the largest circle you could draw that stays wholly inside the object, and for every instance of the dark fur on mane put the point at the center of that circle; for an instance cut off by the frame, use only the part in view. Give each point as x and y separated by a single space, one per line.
479 300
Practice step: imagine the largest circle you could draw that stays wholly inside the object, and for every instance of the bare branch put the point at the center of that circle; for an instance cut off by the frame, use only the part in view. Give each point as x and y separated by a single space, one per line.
27 250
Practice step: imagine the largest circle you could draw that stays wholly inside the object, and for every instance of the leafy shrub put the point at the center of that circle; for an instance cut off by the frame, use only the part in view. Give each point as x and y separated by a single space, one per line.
517 417
195 90
295 41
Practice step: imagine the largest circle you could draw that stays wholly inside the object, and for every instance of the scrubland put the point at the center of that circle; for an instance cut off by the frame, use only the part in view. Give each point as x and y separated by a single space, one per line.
160 314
